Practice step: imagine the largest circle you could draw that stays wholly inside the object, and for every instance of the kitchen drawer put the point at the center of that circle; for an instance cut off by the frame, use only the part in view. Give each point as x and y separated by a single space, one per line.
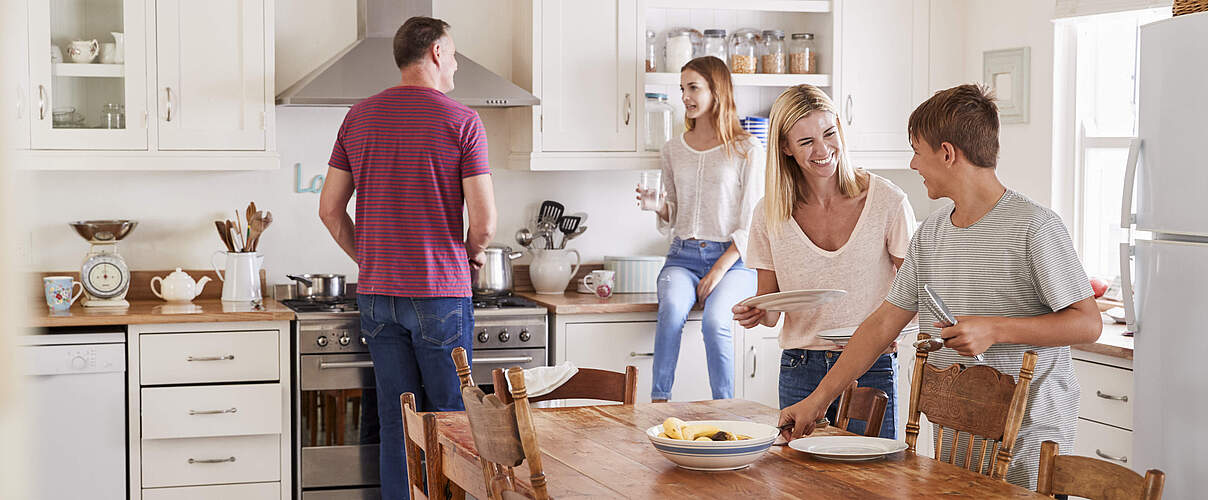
220 460
256 491
188 358
1107 393
1103 441
212 410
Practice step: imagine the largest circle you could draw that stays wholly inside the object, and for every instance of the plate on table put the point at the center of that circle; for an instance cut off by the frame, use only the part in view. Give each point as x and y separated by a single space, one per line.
847 448
792 300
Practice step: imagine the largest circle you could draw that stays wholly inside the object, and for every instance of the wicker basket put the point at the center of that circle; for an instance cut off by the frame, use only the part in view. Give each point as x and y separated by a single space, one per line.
1189 6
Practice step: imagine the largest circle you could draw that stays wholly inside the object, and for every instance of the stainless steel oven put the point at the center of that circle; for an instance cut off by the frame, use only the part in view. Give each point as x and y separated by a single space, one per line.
335 420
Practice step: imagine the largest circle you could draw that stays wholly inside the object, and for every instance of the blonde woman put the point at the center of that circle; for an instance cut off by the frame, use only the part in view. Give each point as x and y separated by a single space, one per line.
713 176
824 224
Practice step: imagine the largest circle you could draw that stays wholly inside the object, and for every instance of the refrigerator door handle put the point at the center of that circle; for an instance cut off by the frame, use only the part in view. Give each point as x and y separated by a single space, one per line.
1127 217
1126 286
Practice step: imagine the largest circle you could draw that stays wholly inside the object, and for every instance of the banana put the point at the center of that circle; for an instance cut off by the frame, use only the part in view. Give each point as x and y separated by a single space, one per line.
702 438
697 430
673 428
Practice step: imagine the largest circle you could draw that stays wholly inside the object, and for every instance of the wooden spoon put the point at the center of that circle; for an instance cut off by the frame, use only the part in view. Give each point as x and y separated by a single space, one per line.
224 235
265 219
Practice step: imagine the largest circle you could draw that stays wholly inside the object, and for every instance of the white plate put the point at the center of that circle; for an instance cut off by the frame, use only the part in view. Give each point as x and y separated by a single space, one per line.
847 448
792 300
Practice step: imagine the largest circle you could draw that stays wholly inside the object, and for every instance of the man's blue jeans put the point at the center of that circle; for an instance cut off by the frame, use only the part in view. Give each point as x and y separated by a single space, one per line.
410 340
687 262
801 371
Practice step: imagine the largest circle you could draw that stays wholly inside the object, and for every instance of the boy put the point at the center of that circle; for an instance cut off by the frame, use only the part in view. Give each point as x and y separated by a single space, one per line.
1003 264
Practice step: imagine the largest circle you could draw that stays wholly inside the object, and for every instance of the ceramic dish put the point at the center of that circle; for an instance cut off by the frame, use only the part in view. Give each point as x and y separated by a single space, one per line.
792 300
716 455
847 448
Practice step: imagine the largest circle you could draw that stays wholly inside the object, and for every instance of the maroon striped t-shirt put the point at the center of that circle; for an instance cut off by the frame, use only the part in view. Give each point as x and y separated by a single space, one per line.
408 148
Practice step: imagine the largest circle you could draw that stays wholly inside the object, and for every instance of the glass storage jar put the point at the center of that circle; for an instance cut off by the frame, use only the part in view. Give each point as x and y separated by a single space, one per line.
659 120
772 57
650 52
715 44
682 44
743 51
803 56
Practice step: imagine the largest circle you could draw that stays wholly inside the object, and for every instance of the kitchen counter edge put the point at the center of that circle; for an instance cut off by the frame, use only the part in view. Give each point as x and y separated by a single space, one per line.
143 312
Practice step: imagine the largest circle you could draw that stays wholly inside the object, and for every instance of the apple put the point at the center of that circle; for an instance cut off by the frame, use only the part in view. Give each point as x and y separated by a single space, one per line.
1099 286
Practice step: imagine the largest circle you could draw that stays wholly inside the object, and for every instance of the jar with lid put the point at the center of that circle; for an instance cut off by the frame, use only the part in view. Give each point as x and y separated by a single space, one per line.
743 51
715 44
772 56
113 115
650 52
803 56
682 44
659 119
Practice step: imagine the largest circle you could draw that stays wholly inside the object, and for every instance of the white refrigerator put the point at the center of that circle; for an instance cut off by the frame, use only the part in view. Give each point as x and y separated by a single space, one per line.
1167 306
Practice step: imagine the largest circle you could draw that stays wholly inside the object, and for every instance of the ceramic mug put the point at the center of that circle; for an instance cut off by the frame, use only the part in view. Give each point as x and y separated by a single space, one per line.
83 51
59 290
108 53
600 282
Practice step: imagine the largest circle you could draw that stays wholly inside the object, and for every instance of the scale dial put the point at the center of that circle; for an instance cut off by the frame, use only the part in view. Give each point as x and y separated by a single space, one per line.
105 276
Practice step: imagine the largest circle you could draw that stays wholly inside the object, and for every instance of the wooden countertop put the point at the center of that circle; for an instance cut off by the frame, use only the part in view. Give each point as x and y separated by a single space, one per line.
158 311
583 303
1112 341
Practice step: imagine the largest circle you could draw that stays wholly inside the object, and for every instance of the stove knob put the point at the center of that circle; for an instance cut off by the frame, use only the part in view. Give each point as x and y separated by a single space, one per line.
504 336
322 341
345 339
525 336
483 337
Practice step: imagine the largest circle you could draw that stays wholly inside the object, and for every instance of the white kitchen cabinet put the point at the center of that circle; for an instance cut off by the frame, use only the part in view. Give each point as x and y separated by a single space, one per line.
15 95
211 74
761 365
1105 412
883 50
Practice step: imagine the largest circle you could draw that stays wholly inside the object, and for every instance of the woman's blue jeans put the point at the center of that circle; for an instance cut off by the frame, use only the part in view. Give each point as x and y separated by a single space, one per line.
687 262
801 371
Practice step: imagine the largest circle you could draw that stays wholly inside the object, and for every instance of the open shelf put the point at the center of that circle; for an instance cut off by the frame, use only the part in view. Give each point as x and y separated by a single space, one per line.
750 80
757 5
89 70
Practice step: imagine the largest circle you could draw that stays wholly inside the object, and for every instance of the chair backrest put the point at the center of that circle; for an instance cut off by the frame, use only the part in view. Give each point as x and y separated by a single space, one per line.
419 435
503 434
587 383
1093 478
978 401
862 403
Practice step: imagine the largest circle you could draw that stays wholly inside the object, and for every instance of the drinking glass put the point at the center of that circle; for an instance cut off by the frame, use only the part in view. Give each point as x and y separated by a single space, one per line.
651 190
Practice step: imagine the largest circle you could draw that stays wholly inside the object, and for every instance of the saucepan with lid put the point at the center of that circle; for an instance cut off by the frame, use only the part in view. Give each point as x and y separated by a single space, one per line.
320 287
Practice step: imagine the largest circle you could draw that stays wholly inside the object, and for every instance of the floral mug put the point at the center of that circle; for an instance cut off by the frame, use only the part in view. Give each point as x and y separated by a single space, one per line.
59 292
83 51
600 282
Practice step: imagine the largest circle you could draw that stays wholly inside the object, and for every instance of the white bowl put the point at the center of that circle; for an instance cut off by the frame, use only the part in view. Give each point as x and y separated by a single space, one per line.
716 455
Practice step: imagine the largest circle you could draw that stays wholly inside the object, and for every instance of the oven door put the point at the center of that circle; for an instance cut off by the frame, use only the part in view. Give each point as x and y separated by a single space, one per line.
338 420
486 360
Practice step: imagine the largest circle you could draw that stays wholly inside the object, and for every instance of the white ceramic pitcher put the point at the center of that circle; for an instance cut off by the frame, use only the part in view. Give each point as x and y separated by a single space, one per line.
241 282
551 270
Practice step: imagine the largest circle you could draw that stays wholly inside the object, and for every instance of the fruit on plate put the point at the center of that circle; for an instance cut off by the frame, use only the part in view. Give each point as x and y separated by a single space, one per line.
674 428
1099 286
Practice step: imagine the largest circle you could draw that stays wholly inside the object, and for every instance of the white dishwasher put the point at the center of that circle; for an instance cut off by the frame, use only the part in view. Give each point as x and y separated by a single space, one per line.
75 387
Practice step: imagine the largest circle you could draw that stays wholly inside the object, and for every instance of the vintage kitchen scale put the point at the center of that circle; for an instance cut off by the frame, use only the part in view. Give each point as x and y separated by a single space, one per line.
104 274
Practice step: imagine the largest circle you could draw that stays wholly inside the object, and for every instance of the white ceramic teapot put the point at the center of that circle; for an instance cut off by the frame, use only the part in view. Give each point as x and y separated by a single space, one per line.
178 286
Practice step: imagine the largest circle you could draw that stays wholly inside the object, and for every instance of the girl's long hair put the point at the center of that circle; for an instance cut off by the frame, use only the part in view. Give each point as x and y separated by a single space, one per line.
785 182
723 113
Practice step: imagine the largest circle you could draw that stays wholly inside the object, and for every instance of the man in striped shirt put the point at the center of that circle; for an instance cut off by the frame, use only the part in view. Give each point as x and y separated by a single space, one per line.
414 157
1003 264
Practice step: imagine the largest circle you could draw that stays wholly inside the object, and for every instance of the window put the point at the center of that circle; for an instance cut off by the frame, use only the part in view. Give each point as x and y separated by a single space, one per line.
1104 70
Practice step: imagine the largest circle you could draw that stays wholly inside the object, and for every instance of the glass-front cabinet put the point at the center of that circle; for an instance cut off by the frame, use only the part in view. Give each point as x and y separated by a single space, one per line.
88 74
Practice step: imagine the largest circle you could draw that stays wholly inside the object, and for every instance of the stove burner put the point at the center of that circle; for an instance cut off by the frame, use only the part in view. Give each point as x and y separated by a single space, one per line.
504 302
305 306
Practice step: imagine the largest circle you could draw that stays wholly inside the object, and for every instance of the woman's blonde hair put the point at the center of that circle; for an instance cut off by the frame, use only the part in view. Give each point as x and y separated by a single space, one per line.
724 113
784 181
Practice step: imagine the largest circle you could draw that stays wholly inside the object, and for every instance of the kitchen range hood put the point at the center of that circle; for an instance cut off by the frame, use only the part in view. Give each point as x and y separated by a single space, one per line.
367 67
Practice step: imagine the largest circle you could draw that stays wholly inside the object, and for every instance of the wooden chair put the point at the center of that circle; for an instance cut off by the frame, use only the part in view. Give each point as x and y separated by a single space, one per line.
587 383
978 401
504 435
419 436
1093 478
862 403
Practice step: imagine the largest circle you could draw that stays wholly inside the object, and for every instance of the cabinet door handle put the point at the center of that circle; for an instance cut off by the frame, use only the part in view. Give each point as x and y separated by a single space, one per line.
1111 397
847 111
41 102
211 460
168 90
214 412
641 354
628 108
1109 457
754 361
227 357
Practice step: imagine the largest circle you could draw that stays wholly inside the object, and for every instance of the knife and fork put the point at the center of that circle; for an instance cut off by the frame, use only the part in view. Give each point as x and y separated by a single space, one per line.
945 318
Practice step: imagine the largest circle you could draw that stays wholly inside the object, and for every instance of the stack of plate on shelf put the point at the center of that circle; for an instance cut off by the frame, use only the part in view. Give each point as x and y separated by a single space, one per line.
756 126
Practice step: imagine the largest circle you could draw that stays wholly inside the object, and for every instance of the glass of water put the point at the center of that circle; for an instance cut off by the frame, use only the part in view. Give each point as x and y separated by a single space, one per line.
651 190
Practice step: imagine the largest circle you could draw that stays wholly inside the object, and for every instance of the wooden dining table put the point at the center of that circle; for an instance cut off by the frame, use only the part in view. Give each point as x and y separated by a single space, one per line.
603 452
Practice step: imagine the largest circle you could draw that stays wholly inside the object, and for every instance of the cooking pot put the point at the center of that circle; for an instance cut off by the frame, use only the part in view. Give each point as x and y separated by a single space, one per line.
318 286
495 276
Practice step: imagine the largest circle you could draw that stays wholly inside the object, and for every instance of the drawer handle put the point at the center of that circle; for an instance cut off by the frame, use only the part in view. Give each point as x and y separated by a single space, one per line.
211 460
1109 457
1111 397
641 354
228 357
345 364
512 359
213 412
754 361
